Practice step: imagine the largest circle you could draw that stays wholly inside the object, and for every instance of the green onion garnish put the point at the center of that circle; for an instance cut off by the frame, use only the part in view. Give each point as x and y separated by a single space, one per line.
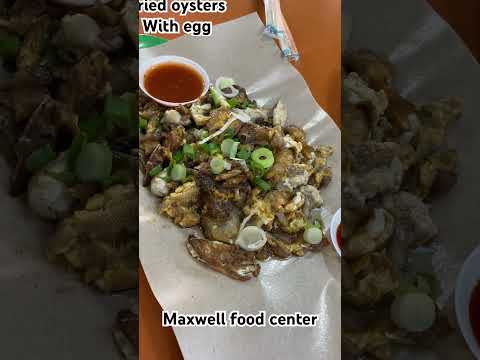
243 154
156 170
9 45
94 163
142 123
263 158
178 157
93 125
313 235
118 111
227 146
262 184
40 158
213 149
72 154
179 172
188 151
204 148
225 82
229 133
203 134
257 169
218 98
217 165
234 149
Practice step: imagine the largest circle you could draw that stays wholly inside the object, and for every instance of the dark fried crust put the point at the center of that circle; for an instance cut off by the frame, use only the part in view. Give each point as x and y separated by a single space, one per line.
227 259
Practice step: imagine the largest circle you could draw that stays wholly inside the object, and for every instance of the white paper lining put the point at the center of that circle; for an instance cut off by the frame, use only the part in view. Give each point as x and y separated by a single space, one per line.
310 284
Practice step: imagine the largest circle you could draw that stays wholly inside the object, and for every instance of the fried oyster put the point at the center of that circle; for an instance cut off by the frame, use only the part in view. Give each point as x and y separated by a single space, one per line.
225 258
249 180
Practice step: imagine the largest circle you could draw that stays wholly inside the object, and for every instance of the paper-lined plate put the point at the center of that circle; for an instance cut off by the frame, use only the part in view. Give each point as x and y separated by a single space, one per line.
310 284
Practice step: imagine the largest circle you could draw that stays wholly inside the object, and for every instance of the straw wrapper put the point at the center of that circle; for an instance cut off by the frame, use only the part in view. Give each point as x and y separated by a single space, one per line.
310 284
276 27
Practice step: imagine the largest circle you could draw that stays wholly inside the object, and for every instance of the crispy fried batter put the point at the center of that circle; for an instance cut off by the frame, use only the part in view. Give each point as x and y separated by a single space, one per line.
227 259
218 118
96 240
279 169
181 206
174 139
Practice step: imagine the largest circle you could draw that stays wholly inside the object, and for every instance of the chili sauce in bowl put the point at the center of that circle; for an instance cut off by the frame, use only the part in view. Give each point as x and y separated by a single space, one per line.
173 80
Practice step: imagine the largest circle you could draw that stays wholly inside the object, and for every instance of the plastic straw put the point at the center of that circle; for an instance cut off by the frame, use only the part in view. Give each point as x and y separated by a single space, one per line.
277 28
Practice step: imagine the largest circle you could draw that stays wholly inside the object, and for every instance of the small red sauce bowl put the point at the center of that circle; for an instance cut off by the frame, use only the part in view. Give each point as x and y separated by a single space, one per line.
148 64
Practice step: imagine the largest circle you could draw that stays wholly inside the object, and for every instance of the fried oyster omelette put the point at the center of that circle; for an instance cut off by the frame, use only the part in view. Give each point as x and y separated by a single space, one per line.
251 182
395 162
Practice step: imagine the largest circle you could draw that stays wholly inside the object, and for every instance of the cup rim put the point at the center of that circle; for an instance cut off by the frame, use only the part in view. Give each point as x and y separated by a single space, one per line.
145 65
334 223
467 279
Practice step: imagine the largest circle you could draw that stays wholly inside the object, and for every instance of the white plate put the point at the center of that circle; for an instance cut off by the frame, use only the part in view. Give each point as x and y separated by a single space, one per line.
149 63
466 282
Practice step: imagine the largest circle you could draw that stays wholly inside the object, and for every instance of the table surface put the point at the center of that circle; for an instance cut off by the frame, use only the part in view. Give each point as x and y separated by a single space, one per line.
316 28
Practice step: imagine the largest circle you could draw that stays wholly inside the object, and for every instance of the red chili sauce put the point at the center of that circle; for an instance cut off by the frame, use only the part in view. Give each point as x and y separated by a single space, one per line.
173 82
339 236
475 312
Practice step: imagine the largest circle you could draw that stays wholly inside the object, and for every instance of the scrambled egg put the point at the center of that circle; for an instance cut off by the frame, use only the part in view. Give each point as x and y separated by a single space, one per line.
181 206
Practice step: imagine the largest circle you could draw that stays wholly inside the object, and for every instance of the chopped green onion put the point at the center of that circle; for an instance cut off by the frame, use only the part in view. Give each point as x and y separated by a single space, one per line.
179 172
118 111
237 103
213 149
204 148
9 45
262 184
234 149
258 170
413 311
66 177
93 125
243 154
229 133
178 157
203 134
316 224
156 170
251 238
210 148
94 163
217 165
218 99
234 102
40 158
225 82
313 235
188 151
72 154
142 123
263 158
164 175
227 146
